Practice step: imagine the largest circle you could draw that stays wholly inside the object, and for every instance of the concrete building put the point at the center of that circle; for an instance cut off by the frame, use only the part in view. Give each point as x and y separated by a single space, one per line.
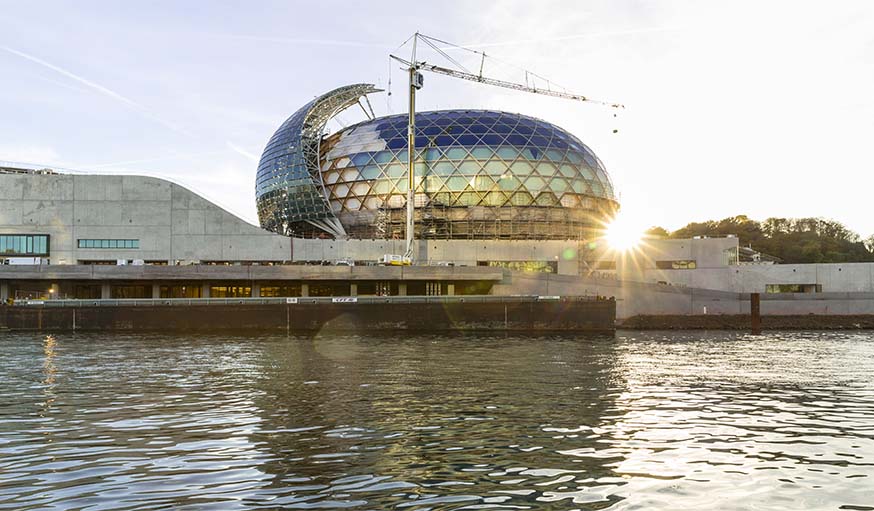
504 204
107 219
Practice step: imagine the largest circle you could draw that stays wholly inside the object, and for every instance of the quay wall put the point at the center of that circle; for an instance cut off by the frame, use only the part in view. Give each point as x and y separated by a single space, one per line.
464 314
638 298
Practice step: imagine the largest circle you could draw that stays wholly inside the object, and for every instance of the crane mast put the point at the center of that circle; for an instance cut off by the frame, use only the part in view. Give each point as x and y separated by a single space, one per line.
416 82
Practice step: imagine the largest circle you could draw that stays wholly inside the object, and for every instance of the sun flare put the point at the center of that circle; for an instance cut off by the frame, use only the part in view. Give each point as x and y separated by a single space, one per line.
623 235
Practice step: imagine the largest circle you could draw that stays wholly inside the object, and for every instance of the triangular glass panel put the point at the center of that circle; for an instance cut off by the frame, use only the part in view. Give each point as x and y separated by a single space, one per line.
535 183
521 168
482 153
558 184
546 199
545 169
521 199
495 199
469 167
509 182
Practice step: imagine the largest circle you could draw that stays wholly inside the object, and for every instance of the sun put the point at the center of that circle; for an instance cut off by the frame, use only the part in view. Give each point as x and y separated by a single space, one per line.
623 235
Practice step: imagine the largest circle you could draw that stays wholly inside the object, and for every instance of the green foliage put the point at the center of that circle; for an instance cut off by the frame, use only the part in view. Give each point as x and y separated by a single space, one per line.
794 240
657 233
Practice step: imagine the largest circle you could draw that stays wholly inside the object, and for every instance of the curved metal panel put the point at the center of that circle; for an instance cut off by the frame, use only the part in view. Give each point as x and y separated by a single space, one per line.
289 189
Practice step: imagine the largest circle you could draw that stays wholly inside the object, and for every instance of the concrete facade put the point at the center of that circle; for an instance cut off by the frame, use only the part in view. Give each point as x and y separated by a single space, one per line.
174 225
831 278
170 222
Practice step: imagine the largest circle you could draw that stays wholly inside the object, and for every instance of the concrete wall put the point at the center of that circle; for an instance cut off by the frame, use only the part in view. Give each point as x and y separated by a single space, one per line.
636 298
174 224
834 278
459 252
633 298
170 222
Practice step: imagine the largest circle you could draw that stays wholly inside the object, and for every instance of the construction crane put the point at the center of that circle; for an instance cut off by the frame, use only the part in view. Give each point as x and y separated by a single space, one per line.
416 82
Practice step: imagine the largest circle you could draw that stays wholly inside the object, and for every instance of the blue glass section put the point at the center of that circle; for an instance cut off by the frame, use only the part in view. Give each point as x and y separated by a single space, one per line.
467 158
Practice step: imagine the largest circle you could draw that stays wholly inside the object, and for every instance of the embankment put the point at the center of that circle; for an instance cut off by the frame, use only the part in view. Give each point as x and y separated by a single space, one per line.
742 322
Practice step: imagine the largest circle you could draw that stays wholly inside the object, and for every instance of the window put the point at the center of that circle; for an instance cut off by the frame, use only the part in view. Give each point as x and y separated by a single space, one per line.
230 291
126 291
793 288
24 244
532 266
677 265
116 244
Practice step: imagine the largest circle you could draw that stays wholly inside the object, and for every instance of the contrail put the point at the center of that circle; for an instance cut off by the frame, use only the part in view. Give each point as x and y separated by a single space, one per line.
566 38
320 42
99 88
242 151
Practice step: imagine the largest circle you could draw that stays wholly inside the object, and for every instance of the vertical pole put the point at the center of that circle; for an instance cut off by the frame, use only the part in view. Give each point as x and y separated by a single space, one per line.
755 314
411 151
411 158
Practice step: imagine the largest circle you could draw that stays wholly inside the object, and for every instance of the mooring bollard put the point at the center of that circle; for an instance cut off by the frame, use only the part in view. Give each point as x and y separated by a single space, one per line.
755 314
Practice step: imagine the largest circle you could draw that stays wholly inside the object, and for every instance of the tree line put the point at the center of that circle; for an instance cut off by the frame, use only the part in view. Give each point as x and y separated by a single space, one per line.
793 240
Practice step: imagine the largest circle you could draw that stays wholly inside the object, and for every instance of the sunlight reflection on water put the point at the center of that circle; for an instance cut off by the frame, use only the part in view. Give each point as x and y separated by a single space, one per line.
643 421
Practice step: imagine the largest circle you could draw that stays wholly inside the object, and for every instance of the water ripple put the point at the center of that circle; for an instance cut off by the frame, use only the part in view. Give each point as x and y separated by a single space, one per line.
642 421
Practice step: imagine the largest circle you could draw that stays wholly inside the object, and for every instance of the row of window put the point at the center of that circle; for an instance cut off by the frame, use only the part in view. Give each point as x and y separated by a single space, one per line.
24 244
531 266
124 244
686 264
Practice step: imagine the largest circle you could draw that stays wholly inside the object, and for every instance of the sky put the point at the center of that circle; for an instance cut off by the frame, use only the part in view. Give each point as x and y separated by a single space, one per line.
746 107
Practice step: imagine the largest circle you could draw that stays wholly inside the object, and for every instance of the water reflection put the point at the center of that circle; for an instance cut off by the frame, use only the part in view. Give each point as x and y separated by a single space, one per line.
431 421
697 421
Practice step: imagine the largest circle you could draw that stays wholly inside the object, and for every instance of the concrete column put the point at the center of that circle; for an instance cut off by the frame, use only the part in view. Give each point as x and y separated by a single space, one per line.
402 289
4 291
105 292
450 289
54 291
156 290
204 290
353 289
256 290
304 289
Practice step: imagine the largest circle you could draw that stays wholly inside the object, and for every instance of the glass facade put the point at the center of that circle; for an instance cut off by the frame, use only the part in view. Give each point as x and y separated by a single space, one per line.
288 186
27 245
114 244
479 175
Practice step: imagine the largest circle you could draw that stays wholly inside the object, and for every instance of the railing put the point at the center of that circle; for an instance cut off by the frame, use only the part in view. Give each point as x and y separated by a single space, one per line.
301 300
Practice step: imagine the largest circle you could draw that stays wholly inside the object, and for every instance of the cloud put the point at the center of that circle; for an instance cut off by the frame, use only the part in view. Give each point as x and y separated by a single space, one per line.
239 150
292 40
147 160
613 33
33 154
133 105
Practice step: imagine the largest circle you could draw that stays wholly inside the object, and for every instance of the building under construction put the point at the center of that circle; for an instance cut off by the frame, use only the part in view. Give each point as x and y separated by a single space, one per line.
478 175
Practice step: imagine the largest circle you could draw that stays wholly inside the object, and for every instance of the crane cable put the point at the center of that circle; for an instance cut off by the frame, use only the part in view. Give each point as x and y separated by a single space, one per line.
431 40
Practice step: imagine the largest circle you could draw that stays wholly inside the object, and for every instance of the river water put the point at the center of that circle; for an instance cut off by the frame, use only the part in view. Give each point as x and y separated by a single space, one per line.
651 421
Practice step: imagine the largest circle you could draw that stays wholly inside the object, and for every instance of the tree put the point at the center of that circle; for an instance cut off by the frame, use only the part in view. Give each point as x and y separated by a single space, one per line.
793 240
656 232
